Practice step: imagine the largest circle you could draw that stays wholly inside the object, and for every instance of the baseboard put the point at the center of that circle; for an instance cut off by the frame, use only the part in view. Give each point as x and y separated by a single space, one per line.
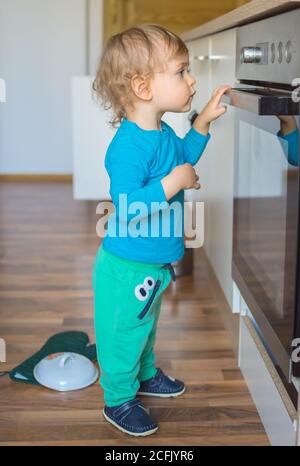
32 177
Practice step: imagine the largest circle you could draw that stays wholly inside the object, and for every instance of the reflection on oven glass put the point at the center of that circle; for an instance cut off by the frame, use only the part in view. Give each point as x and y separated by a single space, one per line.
289 132
266 207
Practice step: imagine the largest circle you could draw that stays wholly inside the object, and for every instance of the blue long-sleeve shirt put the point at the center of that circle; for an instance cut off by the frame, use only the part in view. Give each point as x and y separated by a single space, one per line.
136 161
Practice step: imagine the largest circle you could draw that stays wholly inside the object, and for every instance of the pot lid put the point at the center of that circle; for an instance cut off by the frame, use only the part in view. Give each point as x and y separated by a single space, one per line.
65 371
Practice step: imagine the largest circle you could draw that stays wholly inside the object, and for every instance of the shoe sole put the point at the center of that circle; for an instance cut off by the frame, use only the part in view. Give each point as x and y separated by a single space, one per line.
163 395
139 434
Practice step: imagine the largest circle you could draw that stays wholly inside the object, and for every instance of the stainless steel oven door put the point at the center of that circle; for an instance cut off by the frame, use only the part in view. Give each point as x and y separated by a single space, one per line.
265 226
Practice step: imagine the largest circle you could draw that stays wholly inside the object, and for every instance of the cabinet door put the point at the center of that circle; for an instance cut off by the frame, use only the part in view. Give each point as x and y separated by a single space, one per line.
223 51
199 51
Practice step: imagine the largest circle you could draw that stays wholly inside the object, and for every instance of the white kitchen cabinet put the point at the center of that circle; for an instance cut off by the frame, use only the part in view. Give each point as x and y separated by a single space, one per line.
216 66
268 392
221 165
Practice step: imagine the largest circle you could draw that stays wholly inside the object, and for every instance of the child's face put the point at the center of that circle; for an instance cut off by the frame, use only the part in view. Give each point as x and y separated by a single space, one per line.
173 89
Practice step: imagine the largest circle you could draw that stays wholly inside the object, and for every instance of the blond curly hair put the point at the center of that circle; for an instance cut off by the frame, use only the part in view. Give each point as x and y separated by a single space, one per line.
135 51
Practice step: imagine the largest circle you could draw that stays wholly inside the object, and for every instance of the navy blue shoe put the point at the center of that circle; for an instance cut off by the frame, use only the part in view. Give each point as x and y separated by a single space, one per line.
161 385
130 417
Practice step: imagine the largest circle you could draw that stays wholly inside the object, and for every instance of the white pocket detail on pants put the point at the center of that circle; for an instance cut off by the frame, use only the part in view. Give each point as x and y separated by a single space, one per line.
149 283
141 291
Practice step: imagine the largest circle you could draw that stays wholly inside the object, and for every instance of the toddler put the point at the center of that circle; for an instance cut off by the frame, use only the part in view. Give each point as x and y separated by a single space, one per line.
143 73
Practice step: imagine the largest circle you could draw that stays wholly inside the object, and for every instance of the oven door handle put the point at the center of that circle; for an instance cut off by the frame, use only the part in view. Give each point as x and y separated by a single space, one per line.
263 101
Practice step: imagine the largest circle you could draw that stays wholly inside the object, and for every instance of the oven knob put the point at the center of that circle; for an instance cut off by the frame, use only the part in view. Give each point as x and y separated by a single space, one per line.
251 55
280 52
273 52
288 51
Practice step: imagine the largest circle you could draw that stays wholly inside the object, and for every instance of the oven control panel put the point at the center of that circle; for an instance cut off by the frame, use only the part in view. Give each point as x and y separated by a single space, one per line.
268 50
277 52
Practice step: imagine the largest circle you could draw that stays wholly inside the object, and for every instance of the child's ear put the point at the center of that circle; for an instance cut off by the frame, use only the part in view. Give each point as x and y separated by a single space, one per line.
141 87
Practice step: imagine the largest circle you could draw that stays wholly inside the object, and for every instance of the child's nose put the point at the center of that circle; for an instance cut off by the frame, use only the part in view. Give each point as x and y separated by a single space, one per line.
192 81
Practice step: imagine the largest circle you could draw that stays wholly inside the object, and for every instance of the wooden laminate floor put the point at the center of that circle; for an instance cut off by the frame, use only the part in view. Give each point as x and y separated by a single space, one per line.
47 246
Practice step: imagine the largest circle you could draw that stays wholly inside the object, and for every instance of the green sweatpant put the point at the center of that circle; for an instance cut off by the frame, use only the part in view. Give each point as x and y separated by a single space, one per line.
125 331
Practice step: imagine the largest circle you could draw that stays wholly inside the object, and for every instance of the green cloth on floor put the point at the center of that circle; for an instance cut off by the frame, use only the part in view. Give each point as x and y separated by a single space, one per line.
72 341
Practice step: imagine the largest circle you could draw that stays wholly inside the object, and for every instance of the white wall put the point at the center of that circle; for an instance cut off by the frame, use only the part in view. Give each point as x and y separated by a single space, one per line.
95 33
43 43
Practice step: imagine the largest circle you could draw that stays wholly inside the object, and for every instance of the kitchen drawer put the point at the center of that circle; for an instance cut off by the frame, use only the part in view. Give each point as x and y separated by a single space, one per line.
272 401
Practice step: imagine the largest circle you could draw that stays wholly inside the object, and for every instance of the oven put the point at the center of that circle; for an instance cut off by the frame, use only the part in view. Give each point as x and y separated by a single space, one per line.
265 261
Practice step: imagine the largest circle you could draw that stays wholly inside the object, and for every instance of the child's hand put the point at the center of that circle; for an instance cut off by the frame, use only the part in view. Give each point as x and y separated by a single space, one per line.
212 110
186 176
181 177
